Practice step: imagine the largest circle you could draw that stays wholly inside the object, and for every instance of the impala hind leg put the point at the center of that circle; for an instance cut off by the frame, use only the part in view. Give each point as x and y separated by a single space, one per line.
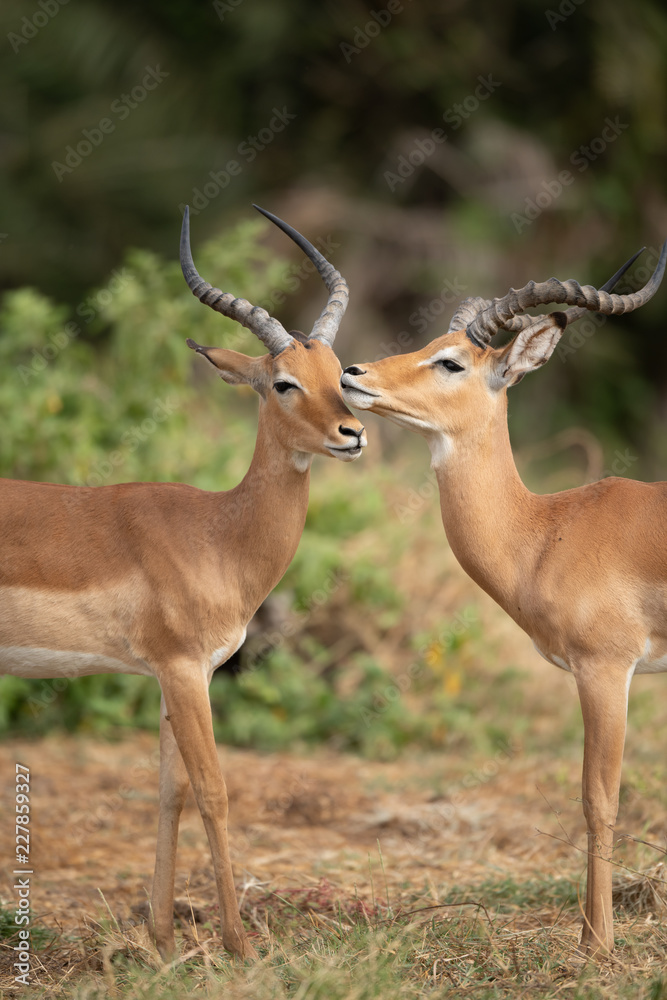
174 785
185 692
604 699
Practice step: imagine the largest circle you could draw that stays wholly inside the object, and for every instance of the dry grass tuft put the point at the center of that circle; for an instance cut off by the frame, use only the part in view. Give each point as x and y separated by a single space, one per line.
642 891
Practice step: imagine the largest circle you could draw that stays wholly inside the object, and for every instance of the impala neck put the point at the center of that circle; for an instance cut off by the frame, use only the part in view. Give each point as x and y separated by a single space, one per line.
262 518
489 516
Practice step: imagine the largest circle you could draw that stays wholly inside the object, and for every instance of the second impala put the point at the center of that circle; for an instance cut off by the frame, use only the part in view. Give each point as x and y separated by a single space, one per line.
583 572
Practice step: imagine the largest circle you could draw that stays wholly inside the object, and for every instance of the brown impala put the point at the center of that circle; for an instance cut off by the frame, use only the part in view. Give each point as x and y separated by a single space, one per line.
583 572
161 579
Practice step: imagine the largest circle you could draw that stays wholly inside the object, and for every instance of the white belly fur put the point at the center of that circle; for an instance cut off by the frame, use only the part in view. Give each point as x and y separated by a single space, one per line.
555 661
38 663
644 665
647 665
221 655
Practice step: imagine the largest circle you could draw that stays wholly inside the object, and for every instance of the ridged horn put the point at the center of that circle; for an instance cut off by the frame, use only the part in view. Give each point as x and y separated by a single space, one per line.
272 334
505 313
470 308
326 326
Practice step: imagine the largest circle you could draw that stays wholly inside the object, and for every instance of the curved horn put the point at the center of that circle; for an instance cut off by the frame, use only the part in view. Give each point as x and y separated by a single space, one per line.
466 312
576 312
326 327
470 308
503 311
272 334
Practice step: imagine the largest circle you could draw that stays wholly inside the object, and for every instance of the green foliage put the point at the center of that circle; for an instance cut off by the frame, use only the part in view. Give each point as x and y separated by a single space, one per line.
295 696
286 701
78 411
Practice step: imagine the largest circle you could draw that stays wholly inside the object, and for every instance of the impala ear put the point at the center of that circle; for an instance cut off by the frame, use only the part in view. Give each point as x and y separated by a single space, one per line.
235 368
530 349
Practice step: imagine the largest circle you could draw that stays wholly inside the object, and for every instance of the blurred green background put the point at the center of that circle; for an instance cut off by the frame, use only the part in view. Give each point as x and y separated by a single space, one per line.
327 113
436 150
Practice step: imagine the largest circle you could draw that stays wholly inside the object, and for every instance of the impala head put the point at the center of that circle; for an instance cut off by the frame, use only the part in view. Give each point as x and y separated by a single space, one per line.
456 384
299 379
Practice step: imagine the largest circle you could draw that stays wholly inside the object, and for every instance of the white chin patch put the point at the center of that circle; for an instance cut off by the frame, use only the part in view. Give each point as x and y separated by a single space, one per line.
357 398
345 455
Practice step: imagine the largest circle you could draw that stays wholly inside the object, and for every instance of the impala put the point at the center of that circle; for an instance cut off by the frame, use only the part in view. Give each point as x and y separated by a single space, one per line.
583 572
161 579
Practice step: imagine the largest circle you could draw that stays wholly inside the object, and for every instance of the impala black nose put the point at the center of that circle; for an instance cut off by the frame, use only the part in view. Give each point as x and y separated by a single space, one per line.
348 430
353 370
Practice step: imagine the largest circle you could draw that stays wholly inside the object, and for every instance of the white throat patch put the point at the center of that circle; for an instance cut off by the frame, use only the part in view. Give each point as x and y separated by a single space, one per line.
301 460
441 448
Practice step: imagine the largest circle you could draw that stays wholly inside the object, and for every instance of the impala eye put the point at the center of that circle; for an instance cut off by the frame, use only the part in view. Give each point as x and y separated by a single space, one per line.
451 366
283 386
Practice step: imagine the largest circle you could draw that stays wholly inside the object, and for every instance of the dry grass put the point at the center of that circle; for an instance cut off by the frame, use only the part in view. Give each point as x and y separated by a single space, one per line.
323 942
343 865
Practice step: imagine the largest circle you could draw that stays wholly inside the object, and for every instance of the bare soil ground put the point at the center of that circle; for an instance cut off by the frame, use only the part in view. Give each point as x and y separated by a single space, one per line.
346 828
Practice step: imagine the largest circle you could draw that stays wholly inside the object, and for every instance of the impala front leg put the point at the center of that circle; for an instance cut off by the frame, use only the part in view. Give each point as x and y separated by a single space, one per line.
185 692
604 701
174 785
